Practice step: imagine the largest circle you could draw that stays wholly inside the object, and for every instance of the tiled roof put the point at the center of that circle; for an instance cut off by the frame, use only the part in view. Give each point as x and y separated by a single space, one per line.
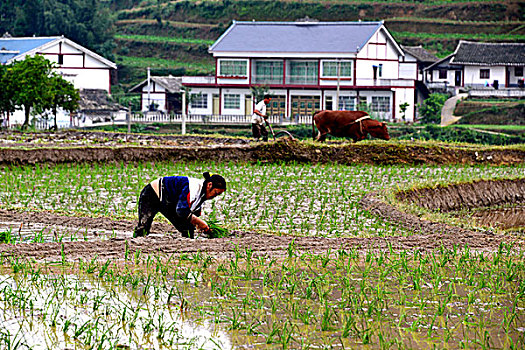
472 53
12 47
96 100
296 37
420 53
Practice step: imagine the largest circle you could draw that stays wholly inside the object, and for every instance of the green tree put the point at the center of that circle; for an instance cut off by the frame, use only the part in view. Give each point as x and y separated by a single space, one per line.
61 94
86 22
403 110
7 105
30 84
430 110
258 92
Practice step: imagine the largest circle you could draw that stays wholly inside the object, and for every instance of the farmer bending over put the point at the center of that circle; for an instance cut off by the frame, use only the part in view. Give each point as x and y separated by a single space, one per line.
179 199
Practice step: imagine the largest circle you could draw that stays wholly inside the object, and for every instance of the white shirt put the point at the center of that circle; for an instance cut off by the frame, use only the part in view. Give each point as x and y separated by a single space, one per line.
261 107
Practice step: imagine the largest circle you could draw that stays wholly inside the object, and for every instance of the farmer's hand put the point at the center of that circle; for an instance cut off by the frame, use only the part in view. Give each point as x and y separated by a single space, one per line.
199 223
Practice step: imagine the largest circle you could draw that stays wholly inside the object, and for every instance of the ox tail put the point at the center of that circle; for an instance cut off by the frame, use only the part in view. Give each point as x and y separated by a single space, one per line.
313 124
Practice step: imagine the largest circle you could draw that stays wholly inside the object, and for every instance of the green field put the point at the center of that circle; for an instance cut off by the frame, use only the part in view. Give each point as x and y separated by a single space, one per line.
448 298
320 200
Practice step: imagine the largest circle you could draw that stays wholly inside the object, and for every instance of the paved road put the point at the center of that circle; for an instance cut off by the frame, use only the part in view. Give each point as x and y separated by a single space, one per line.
447 112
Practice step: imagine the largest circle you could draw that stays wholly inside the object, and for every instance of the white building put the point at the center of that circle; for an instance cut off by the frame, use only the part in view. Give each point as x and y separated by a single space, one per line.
82 67
476 65
307 66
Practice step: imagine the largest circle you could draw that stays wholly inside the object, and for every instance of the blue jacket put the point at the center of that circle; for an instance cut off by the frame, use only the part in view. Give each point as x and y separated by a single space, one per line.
183 192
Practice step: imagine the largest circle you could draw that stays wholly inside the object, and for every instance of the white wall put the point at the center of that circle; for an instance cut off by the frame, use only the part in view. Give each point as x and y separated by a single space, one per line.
84 71
402 96
472 75
209 98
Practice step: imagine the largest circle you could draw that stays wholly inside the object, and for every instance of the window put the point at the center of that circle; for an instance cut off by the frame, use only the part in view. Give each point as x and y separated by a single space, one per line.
484 73
199 101
380 70
232 101
380 104
303 72
330 69
229 68
346 103
518 71
442 74
268 72
60 59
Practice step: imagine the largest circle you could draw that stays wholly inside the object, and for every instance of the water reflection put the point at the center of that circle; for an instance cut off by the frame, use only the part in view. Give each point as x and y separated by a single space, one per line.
504 218
65 312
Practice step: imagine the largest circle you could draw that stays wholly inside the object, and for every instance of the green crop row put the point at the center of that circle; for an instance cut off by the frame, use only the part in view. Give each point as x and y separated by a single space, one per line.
298 199
449 298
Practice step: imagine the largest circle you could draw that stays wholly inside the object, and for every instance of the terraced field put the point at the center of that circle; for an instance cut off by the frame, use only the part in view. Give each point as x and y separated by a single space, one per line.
175 35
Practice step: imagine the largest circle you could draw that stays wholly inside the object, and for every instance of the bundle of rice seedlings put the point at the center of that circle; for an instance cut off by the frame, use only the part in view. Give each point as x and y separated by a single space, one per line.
217 231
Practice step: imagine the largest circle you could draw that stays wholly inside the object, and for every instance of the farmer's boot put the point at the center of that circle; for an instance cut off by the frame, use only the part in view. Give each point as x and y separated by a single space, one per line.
139 232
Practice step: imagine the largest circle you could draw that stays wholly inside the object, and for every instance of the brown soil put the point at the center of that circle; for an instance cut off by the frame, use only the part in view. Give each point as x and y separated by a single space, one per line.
73 147
467 195
432 236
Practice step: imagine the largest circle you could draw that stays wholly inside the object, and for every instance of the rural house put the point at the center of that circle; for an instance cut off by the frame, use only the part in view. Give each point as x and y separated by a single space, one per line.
307 66
160 94
82 67
485 69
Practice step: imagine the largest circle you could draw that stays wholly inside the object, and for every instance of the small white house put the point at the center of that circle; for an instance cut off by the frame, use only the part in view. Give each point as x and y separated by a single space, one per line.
160 94
477 65
307 66
82 67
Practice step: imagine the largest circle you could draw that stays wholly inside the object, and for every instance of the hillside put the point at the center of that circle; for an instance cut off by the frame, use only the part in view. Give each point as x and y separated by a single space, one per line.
172 37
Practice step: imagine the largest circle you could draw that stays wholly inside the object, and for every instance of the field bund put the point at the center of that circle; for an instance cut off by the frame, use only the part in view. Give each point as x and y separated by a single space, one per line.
283 150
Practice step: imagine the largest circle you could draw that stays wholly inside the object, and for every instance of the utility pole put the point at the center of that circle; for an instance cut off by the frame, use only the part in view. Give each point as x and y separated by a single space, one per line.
338 82
149 89
183 126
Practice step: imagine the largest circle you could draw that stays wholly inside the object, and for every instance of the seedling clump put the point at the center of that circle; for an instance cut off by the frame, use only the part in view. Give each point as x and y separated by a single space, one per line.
216 230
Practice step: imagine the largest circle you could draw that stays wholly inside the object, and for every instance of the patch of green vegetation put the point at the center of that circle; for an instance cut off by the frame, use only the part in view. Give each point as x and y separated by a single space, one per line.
460 36
456 134
144 62
163 39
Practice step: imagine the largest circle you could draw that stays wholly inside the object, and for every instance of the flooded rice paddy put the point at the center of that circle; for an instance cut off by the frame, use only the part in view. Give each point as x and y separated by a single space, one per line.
450 297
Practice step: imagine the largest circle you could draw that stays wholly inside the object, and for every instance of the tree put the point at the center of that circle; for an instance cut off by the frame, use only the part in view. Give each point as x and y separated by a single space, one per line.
430 110
61 94
258 92
7 105
30 84
403 110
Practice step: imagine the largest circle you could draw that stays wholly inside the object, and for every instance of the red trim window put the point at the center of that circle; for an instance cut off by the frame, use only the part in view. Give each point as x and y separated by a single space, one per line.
484 73
442 74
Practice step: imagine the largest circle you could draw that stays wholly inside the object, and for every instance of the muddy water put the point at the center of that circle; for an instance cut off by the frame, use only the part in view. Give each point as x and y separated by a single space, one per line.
67 311
504 218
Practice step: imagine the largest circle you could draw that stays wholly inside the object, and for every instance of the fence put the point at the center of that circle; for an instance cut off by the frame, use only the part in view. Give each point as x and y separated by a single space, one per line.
218 119
159 117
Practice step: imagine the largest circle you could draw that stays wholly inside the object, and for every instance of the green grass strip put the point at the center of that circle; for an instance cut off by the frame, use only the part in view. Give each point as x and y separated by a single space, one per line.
143 62
487 37
164 39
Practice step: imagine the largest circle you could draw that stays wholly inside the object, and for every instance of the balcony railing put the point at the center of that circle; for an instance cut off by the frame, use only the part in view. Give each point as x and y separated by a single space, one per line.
385 82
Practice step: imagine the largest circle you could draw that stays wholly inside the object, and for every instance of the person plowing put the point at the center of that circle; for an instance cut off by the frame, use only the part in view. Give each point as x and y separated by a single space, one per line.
179 199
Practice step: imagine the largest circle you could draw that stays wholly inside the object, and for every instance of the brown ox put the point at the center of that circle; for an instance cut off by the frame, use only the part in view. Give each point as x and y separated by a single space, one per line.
353 124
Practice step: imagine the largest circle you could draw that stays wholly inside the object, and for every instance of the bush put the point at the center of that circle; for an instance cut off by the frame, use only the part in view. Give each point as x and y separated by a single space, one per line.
430 110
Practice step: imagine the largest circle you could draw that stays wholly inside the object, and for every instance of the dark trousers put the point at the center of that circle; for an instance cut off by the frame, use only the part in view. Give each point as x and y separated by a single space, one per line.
259 130
150 205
